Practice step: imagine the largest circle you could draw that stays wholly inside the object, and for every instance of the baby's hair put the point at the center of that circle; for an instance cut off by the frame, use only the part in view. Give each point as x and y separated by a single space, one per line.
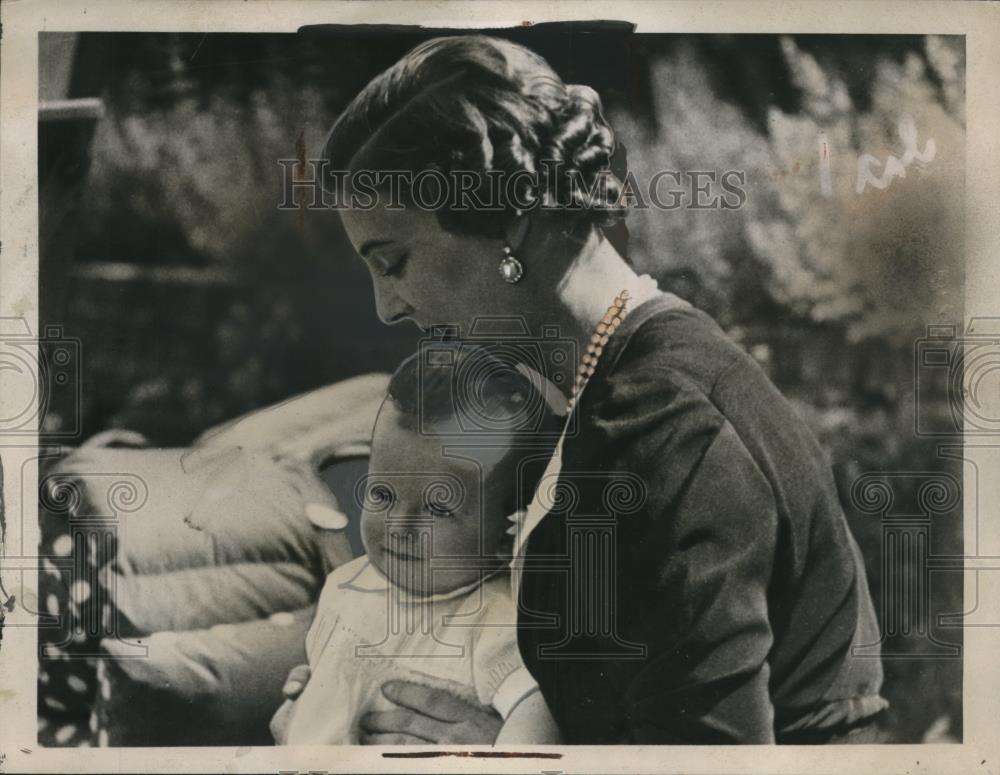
485 105
461 389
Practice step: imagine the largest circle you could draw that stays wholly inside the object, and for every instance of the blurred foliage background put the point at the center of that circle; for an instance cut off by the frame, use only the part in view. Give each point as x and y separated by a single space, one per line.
196 299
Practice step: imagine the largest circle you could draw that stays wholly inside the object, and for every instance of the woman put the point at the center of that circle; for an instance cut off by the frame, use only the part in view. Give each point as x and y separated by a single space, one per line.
733 593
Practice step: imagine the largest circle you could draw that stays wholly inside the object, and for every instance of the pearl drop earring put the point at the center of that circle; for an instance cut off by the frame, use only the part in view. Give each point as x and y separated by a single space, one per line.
511 270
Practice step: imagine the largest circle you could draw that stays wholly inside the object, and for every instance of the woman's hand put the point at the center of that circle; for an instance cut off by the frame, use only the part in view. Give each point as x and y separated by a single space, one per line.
297 679
428 715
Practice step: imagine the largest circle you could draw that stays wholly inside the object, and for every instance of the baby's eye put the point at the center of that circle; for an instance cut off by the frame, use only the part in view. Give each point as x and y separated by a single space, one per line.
380 497
441 498
438 511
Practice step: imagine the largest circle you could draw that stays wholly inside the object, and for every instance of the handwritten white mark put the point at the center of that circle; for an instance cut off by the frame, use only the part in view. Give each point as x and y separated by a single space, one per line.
825 184
895 168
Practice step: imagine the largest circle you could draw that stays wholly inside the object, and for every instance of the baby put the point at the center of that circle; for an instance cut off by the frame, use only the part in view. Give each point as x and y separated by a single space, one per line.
453 463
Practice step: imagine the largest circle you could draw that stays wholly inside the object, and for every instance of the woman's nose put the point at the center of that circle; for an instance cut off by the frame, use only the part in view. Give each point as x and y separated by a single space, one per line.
390 308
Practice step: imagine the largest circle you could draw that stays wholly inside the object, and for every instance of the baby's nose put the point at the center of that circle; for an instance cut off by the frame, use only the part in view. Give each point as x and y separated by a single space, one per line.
413 530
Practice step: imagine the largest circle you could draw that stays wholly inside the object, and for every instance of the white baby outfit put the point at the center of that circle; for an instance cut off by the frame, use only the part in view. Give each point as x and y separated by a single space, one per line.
368 631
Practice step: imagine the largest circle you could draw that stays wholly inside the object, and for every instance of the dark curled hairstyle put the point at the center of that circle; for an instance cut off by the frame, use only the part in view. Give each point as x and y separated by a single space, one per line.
485 105
469 394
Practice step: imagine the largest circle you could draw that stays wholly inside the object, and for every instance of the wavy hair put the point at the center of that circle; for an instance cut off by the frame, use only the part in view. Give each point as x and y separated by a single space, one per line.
488 106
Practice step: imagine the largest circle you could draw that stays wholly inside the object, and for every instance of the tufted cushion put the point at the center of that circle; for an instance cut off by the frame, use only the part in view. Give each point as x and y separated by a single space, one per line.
159 575
186 577
209 620
199 687
172 575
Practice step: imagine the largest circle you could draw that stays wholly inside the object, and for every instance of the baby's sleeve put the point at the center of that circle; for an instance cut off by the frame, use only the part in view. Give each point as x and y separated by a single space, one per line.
500 676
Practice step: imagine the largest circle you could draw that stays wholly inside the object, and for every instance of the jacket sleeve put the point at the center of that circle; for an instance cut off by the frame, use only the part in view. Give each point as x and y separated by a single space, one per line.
699 559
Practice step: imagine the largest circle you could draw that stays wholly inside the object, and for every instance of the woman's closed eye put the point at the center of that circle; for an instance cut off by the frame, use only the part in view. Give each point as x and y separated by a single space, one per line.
389 263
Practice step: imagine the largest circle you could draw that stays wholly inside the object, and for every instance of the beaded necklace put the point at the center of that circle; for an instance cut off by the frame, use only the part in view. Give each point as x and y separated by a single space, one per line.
609 324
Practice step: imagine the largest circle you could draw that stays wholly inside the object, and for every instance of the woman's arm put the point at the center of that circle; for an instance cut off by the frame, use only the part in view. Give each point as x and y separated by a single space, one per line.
529 722
694 556
706 678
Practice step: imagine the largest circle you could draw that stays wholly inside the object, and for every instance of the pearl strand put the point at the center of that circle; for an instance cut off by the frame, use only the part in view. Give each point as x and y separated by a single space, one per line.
609 324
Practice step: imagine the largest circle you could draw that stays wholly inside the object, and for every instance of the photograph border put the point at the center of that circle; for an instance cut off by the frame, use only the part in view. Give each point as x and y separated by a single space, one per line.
23 21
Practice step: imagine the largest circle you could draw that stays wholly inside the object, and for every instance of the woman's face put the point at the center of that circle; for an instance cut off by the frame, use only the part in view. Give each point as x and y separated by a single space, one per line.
425 274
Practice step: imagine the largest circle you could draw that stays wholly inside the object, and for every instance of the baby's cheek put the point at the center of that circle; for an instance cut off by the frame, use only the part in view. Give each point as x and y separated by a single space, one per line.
372 532
494 529
450 538
461 536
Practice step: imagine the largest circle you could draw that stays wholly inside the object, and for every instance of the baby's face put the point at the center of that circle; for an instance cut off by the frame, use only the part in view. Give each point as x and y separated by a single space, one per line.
424 510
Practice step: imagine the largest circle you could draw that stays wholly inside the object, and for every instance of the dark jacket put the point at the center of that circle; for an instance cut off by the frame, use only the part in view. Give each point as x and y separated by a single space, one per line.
698 582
